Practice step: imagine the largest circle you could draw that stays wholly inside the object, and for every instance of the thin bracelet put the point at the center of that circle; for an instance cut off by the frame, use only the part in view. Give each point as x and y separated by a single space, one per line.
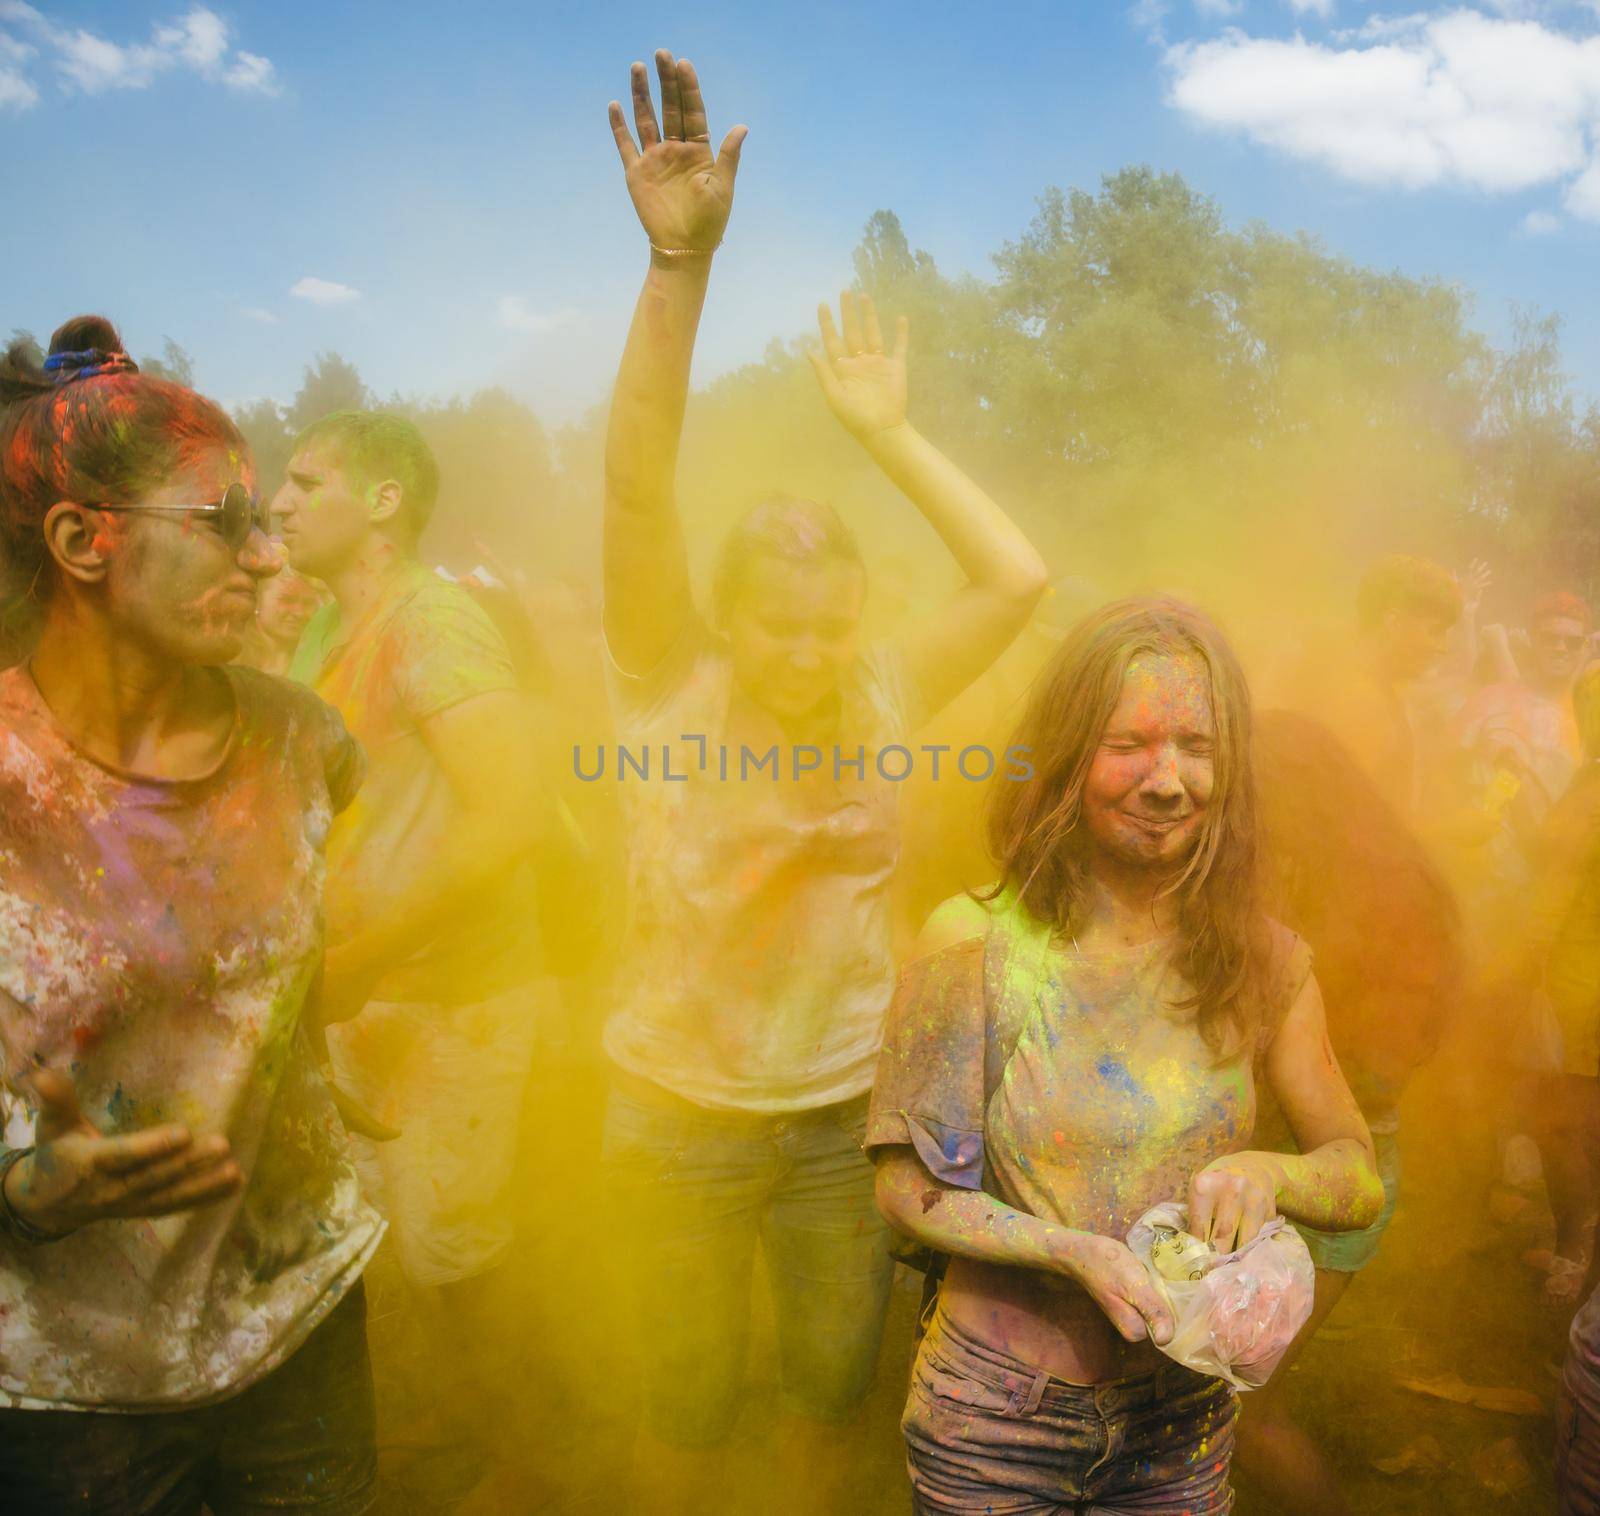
19 1228
684 252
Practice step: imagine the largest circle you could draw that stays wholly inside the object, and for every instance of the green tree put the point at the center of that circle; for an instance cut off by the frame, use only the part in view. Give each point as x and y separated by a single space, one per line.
174 364
30 345
270 439
498 494
331 383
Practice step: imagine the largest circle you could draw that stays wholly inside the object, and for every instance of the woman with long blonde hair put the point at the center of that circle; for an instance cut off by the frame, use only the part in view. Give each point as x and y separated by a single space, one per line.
1081 1045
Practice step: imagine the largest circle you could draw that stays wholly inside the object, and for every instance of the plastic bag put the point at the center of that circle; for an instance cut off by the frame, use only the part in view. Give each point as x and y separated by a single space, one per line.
1237 1319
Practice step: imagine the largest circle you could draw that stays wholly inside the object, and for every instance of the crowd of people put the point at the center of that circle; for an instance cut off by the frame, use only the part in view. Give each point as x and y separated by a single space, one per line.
287 872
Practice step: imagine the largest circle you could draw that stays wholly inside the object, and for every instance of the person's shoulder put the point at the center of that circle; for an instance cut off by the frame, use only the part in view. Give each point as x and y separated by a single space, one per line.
1287 958
883 676
431 599
15 690
285 723
960 919
275 699
441 623
689 680
23 717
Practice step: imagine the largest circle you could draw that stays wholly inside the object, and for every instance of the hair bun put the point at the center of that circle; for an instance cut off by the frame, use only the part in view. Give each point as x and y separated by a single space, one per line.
85 347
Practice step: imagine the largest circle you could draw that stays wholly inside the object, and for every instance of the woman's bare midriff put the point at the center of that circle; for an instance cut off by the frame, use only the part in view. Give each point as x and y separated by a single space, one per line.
1048 1321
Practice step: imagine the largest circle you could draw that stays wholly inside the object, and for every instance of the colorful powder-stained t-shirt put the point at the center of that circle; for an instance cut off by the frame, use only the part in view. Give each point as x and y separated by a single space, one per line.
157 942
758 961
1070 1085
424 646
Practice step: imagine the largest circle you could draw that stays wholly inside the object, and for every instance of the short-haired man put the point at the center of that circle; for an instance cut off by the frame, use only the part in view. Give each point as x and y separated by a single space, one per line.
429 915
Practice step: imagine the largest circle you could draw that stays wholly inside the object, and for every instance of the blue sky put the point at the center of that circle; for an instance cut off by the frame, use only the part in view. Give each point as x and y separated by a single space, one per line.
186 169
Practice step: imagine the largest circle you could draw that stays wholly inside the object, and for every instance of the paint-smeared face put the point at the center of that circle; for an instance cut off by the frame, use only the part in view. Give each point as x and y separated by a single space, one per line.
1414 640
323 518
171 581
793 629
1559 643
1151 777
284 606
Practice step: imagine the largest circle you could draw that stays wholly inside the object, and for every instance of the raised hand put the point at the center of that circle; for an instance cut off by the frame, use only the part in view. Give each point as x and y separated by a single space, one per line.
681 193
76 1175
1121 1287
865 387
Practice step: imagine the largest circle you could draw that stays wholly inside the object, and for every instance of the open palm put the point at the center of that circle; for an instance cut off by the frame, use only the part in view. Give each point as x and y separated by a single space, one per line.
682 194
865 387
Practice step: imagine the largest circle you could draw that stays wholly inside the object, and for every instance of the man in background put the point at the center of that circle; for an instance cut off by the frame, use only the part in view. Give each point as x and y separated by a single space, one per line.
429 975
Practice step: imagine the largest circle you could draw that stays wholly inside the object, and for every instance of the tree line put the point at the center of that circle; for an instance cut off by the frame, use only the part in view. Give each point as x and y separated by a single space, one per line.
1160 398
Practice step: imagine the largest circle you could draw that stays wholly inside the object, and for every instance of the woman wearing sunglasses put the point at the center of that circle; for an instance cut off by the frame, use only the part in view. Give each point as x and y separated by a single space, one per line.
181 1235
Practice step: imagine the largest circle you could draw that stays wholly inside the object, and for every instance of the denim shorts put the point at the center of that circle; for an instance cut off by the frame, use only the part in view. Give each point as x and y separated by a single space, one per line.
1350 1252
1578 1417
695 1192
301 1439
987 1434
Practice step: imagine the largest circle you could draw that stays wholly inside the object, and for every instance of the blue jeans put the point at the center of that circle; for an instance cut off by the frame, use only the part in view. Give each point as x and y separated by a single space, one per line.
987 1435
695 1191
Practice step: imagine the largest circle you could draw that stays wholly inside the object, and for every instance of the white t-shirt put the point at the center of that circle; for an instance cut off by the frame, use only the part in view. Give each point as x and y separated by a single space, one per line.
757 965
157 942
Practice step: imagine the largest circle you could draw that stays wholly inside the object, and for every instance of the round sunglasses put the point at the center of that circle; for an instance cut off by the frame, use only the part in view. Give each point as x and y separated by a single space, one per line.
235 514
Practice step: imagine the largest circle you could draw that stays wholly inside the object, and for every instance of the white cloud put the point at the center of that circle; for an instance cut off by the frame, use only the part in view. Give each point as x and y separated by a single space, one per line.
1583 194
1150 17
323 291
200 39
258 313
250 71
15 89
1323 8
1457 98
1539 224
516 315
94 64
1219 7
88 63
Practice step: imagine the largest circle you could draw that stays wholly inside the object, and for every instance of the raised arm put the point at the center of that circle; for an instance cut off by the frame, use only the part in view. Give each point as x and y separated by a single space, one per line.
682 196
865 387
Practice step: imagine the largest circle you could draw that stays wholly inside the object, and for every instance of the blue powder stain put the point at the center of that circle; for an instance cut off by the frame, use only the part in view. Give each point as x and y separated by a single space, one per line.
1113 1072
120 1107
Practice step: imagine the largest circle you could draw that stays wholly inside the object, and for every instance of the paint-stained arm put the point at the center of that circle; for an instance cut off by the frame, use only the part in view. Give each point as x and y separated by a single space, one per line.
972 1224
486 748
865 386
683 197
1332 1183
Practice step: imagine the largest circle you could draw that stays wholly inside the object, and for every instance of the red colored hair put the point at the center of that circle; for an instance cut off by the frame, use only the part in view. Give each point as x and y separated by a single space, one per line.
110 437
